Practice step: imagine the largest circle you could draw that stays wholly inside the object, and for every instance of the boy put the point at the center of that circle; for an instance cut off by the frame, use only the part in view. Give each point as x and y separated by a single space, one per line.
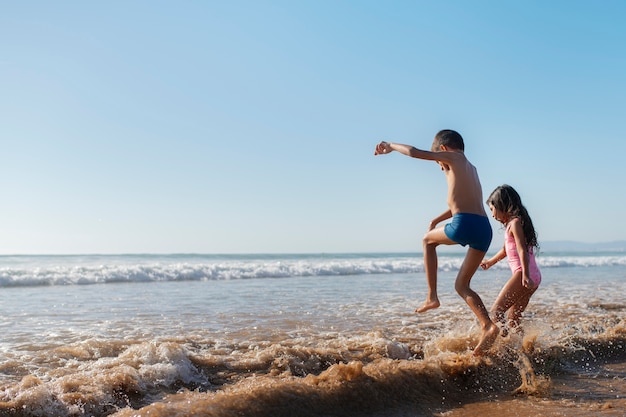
469 226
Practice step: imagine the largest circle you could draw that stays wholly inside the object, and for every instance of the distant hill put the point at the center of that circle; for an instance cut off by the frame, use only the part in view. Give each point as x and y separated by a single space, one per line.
572 246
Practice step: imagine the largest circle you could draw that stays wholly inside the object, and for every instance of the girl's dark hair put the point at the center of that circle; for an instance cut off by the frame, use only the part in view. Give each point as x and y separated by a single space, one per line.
505 199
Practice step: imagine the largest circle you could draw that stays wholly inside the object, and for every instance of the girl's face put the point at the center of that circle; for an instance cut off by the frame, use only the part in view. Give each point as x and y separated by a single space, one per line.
497 214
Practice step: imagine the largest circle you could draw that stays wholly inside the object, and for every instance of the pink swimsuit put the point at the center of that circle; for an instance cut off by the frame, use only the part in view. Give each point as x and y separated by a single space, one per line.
515 262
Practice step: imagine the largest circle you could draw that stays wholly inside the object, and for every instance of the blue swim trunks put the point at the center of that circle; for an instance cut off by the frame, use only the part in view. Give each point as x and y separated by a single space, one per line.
470 229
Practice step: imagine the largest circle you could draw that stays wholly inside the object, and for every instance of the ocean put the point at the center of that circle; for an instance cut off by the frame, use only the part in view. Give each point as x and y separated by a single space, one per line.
303 335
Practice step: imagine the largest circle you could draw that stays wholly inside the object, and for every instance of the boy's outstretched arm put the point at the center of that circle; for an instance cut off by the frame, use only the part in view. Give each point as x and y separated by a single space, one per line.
387 147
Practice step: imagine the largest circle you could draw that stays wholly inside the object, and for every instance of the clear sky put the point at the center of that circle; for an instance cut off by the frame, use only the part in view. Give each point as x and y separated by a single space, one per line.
249 126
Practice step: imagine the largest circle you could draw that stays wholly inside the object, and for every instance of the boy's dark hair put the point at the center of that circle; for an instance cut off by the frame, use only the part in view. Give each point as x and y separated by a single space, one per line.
448 138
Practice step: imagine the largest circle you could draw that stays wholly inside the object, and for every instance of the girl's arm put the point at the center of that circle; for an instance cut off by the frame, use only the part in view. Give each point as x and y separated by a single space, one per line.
520 241
500 255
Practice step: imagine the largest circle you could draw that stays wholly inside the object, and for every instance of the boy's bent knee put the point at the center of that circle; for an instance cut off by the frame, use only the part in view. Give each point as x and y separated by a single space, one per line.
427 244
436 237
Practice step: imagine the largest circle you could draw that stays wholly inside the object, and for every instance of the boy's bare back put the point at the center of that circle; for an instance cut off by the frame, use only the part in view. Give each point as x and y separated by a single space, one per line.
464 189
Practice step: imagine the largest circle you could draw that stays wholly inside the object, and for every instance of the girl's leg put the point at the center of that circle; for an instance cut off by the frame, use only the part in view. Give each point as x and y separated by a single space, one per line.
432 239
513 297
511 291
516 310
462 285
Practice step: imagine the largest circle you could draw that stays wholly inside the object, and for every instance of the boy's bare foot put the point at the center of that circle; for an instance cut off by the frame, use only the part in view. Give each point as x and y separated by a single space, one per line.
428 305
486 341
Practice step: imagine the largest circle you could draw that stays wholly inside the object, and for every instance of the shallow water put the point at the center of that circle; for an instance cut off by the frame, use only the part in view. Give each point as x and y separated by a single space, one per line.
301 335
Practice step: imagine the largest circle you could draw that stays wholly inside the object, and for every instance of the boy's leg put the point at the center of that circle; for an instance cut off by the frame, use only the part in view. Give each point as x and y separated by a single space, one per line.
490 330
432 239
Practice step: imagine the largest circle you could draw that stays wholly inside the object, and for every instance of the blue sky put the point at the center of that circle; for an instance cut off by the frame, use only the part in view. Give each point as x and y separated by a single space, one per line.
249 126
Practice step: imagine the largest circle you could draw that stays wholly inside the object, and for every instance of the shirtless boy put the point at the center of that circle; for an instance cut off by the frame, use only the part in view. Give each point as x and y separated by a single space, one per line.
469 226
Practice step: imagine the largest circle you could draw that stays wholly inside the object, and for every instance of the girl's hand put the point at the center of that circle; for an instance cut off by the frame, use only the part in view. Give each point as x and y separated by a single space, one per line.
527 282
486 265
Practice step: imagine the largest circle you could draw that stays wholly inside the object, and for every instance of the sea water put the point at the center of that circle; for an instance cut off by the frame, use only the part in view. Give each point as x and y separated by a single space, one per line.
302 335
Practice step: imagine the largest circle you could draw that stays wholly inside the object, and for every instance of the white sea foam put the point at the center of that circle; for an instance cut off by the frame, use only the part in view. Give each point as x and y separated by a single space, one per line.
71 270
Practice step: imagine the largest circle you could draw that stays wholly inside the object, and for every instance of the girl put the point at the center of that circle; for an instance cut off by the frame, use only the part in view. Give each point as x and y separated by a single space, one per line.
520 242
